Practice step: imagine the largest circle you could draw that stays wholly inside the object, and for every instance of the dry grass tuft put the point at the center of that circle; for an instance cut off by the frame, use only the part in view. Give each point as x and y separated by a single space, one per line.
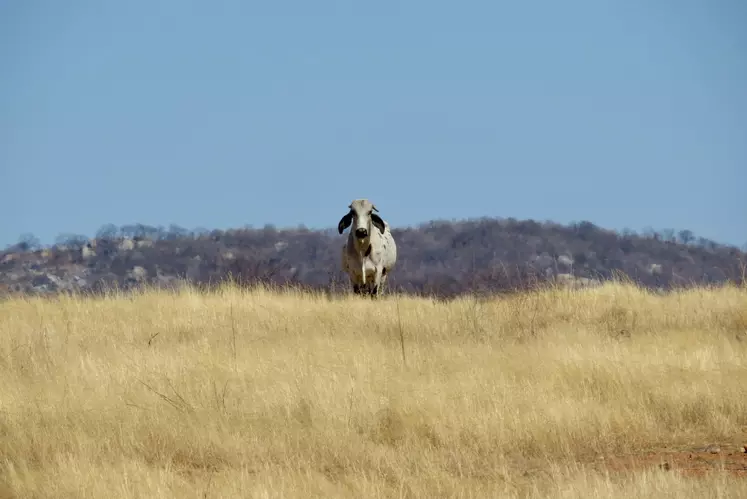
259 393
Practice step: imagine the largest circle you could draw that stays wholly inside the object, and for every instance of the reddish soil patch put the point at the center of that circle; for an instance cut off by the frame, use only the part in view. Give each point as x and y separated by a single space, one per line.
688 462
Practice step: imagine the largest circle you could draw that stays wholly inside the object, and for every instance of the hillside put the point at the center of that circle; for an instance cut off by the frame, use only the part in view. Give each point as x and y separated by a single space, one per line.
438 258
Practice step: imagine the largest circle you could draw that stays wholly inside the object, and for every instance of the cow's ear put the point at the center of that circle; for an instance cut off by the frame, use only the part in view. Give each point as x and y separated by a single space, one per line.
378 222
345 222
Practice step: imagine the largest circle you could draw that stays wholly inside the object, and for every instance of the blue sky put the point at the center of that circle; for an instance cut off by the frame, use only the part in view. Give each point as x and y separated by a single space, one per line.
628 113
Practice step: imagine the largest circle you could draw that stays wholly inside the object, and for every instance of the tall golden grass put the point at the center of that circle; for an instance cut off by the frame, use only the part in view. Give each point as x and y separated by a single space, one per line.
259 393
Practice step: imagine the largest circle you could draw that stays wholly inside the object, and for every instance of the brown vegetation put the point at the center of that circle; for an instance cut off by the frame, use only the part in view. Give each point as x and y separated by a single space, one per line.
258 393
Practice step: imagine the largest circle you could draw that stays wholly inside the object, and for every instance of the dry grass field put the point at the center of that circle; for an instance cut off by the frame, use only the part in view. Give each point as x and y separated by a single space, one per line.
608 392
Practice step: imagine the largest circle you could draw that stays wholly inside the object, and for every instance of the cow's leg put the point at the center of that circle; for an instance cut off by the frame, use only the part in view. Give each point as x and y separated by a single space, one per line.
376 285
357 288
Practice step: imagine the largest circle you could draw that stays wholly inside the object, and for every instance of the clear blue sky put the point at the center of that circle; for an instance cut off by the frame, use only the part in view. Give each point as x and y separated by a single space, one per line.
628 113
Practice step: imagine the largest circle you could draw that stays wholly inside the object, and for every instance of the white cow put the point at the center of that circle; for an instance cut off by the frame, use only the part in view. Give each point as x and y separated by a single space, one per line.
370 252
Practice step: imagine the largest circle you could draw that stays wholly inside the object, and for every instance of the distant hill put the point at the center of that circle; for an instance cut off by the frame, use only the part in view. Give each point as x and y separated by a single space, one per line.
437 258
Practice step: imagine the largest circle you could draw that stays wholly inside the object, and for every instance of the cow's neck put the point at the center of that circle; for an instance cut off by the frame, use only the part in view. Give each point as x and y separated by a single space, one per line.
364 246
